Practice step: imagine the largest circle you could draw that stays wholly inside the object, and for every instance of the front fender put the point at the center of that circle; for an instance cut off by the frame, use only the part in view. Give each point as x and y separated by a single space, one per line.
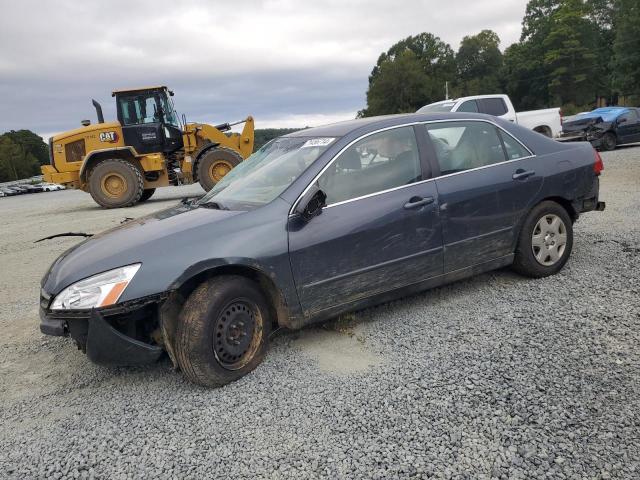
96 155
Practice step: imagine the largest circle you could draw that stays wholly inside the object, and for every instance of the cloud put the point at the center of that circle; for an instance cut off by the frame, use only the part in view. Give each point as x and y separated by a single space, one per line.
279 60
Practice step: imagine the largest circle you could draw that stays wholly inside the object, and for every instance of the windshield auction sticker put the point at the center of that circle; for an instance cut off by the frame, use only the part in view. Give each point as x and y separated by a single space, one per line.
318 142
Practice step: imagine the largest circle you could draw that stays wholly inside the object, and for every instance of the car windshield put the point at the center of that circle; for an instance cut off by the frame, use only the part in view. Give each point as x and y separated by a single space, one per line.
267 173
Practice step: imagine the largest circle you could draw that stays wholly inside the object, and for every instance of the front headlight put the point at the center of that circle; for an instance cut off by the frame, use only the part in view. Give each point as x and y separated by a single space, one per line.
99 290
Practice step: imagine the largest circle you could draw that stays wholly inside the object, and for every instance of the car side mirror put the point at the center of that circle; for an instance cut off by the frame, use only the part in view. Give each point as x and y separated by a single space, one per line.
311 203
622 120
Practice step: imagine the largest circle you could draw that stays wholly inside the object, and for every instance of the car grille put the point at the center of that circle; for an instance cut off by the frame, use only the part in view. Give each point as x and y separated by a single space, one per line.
74 151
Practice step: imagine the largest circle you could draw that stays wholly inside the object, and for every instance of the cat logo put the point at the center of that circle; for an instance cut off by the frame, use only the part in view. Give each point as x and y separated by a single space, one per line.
111 137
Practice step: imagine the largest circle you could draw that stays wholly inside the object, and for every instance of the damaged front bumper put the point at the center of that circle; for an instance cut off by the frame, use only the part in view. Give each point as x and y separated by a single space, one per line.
126 334
594 137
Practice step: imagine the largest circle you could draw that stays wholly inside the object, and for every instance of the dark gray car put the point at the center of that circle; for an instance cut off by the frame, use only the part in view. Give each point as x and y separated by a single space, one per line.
316 223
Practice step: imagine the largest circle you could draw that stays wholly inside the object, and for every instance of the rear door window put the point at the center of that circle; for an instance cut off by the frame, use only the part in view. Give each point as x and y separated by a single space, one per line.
464 145
492 106
513 148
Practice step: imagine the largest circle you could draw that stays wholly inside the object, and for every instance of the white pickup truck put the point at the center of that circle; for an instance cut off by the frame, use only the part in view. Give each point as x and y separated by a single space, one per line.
547 122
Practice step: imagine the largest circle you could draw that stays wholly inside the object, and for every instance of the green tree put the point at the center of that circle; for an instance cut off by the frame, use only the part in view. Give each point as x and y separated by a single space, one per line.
409 75
524 77
32 143
263 135
626 48
536 23
479 63
15 161
570 54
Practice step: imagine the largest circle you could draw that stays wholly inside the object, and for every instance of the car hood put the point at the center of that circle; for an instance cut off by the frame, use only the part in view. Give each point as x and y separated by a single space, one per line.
154 240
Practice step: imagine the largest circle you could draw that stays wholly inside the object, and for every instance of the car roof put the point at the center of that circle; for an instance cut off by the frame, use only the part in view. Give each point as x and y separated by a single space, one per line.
340 129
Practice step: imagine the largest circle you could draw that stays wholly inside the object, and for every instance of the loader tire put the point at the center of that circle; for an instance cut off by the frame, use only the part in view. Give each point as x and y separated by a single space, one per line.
147 194
215 164
223 331
116 183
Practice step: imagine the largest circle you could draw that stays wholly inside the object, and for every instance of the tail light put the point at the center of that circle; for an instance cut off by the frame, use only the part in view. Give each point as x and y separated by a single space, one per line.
598 166
561 117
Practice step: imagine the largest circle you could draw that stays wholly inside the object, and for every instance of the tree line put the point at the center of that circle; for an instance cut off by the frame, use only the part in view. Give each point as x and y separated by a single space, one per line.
22 152
570 53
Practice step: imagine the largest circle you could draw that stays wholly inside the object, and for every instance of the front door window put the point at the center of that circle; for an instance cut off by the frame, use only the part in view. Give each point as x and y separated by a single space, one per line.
376 163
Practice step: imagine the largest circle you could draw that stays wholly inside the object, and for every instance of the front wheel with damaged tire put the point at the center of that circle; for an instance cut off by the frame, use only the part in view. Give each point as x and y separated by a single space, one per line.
223 331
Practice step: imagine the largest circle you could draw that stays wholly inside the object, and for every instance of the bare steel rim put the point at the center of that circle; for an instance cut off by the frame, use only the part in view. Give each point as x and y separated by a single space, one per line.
237 334
549 240
113 185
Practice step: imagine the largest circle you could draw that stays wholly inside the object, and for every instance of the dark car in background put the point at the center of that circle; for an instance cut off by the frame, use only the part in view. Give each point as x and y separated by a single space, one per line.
605 127
315 223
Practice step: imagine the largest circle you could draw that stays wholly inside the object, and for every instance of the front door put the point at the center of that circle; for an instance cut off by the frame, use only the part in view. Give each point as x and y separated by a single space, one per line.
487 181
379 231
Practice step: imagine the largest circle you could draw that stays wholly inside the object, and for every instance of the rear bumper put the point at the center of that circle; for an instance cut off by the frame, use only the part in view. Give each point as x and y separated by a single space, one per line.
95 335
590 201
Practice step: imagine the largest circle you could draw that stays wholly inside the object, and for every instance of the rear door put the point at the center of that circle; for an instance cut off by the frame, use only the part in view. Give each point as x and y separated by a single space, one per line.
380 229
486 181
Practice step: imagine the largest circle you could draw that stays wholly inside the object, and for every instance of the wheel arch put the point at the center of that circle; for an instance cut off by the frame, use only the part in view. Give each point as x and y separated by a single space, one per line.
544 130
91 160
279 309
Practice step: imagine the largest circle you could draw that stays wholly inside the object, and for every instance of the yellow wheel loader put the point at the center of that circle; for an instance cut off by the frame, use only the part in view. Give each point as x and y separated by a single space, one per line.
122 163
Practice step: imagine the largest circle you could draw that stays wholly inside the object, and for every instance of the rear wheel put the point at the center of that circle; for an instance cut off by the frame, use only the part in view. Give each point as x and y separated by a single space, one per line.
545 241
147 194
609 141
116 183
223 331
214 164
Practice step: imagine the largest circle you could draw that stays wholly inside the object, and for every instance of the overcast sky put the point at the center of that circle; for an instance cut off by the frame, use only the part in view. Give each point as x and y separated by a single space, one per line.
288 63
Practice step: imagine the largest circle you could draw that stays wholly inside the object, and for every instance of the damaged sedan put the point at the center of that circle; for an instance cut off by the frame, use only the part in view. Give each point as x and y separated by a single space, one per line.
316 223
605 127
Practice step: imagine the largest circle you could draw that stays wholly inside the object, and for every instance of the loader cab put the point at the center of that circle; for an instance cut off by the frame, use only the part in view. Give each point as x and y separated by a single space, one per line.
148 118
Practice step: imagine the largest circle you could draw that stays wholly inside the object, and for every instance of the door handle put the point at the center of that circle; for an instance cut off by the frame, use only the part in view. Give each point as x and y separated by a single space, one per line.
416 202
523 174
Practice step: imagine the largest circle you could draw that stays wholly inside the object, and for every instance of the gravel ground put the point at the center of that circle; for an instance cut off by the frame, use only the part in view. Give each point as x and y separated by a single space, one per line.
497 376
